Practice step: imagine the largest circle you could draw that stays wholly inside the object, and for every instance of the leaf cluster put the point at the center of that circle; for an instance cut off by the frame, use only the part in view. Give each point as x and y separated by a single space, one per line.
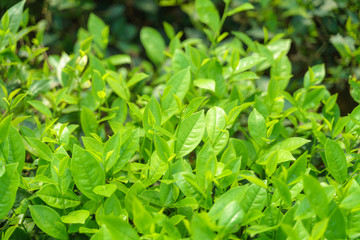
211 145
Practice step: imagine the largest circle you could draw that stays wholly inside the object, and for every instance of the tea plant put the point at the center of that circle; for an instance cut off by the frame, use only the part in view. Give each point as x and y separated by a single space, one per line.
208 145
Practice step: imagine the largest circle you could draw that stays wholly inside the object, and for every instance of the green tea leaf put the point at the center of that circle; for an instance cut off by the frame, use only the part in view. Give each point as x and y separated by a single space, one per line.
9 183
5 126
129 145
242 7
105 190
178 85
257 126
253 199
119 229
339 126
101 234
78 216
99 31
118 85
336 228
208 14
336 161
204 83
248 62
112 145
48 220
41 148
316 77
162 148
142 218
87 172
136 78
153 43
54 198
41 107
205 165
88 121
232 217
319 229
297 169
216 211
283 190
152 110
15 16
316 196
189 133
215 123
119 59
200 227
14 149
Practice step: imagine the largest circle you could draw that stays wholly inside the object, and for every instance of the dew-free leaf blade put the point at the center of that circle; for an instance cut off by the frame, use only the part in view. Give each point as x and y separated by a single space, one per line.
5 125
205 165
153 43
112 147
151 116
208 84
105 190
48 220
232 216
87 172
200 227
336 161
41 107
16 149
9 183
15 16
88 121
208 13
215 122
189 133
236 193
119 229
316 196
257 126
242 7
43 150
78 216
178 85
54 198
129 145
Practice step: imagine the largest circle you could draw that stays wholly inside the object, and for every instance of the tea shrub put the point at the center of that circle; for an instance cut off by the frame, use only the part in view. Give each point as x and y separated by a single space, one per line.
209 145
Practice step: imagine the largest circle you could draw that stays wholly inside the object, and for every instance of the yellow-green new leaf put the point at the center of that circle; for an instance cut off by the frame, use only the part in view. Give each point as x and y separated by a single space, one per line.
105 190
78 216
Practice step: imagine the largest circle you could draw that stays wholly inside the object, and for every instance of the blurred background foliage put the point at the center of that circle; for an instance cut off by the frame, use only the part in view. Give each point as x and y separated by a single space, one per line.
322 31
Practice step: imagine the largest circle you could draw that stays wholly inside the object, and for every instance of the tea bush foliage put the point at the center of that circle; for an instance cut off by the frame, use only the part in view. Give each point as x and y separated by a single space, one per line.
209 144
